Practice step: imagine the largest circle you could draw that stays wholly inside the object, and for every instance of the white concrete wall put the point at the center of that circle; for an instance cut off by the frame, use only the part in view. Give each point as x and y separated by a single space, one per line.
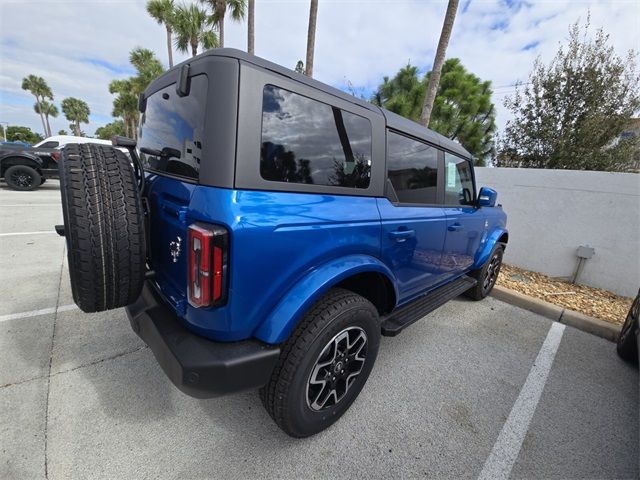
552 212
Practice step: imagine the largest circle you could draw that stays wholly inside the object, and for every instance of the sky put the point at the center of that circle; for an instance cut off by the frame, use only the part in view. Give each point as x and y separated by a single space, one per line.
79 46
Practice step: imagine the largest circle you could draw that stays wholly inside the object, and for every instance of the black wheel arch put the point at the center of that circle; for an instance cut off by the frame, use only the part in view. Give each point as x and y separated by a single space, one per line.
20 159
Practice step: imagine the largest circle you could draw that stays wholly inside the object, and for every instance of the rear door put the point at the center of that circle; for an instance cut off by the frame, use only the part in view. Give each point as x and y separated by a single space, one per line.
413 222
465 222
170 145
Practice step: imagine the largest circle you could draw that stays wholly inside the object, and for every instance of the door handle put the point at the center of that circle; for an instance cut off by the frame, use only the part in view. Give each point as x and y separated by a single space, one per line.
456 227
401 235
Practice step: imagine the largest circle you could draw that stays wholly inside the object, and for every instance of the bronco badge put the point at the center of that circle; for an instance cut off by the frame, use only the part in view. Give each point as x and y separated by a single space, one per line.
174 249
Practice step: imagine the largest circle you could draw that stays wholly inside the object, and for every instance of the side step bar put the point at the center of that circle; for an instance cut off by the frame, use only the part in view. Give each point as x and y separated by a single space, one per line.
404 316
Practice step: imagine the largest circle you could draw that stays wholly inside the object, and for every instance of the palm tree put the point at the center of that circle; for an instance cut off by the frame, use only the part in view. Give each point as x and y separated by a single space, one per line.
39 89
125 104
251 27
76 111
192 28
236 8
311 37
48 110
164 12
434 78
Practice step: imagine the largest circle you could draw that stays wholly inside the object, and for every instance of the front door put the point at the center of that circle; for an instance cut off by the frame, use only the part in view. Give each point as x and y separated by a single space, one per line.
465 222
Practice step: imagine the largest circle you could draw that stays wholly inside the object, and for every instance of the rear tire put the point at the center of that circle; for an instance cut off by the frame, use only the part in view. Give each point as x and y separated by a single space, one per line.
627 344
339 336
104 226
487 275
22 177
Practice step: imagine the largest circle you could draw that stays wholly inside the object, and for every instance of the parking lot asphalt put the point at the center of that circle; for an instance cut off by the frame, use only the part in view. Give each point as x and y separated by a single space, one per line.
82 397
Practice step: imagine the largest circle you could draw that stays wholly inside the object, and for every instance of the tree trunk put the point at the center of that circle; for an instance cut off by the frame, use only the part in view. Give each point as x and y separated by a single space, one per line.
194 48
46 117
311 37
169 49
44 125
251 27
434 79
76 127
221 10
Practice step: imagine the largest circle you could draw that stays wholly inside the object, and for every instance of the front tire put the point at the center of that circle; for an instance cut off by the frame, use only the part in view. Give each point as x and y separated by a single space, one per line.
627 345
22 177
324 364
487 275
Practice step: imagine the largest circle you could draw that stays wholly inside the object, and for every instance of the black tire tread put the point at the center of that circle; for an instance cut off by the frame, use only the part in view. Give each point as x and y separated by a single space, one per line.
475 293
627 346
297 346
37 178
104 225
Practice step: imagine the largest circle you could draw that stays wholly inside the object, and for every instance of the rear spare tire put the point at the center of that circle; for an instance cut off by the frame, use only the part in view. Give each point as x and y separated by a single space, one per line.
104 226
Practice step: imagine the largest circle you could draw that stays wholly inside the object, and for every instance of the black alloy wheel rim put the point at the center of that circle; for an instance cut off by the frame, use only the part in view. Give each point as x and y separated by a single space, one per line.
491 274
21 178
337 368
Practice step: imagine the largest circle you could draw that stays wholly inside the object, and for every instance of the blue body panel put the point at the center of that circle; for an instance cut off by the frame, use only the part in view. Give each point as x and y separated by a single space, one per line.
287 249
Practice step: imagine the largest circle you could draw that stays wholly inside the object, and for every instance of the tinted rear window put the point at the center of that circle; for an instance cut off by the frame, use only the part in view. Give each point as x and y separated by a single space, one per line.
172 130
306 141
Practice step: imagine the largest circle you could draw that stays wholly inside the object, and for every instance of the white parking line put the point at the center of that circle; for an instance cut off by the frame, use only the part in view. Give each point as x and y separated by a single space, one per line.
32 205
14 234
507 446
35 313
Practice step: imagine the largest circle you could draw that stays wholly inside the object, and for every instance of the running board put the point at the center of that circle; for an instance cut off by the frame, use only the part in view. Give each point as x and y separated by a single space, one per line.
404 316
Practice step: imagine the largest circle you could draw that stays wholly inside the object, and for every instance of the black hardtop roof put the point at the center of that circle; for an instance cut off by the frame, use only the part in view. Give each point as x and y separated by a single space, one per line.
393 120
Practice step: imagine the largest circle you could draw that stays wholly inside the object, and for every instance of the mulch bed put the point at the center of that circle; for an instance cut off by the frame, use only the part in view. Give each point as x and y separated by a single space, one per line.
594 302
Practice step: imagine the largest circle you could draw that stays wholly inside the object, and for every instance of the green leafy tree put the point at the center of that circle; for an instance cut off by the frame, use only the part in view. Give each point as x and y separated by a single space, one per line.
48 110
22 134
163 11
572 112
62 132
110 129
299 67
462 110
236 9
125 105
41 90
77 112
193 27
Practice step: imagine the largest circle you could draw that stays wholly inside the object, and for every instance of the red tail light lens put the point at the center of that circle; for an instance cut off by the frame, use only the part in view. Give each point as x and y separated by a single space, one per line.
208 255
55 156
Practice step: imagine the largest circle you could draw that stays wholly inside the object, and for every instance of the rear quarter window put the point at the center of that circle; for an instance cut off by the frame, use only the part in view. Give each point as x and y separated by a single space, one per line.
310 142
171 136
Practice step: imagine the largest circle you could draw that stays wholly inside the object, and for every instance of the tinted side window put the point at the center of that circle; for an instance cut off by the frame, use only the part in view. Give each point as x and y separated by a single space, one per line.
458 188
306 141
412 167
49 145
172 130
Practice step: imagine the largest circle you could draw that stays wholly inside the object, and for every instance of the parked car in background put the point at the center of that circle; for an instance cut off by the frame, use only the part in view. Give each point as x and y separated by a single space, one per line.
281 228
26 168
628 344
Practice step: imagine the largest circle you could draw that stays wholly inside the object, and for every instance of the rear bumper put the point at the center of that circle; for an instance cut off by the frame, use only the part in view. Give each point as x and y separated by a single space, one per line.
196 365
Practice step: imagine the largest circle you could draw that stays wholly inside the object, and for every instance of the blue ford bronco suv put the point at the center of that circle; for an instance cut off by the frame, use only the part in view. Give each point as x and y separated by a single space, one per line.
268 229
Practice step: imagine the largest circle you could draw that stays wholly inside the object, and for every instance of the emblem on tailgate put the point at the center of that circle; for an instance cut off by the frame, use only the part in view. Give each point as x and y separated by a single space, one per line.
175 248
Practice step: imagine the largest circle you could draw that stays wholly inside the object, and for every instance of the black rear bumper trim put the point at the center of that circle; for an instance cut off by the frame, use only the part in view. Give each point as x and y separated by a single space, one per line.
196 365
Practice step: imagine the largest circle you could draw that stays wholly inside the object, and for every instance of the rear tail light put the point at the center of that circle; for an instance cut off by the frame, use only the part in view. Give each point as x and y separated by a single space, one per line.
55 156
208 269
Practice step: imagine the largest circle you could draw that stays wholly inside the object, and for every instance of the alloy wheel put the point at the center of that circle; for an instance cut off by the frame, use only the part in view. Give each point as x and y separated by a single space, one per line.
337 368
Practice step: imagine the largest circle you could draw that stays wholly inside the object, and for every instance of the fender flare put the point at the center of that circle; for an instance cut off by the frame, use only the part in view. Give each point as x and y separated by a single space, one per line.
22 159
277 326
492 239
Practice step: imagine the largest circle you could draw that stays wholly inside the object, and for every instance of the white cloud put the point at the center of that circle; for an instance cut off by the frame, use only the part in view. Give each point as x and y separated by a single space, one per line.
359 41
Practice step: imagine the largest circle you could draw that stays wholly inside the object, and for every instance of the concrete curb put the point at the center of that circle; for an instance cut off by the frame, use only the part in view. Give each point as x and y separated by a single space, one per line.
553 312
